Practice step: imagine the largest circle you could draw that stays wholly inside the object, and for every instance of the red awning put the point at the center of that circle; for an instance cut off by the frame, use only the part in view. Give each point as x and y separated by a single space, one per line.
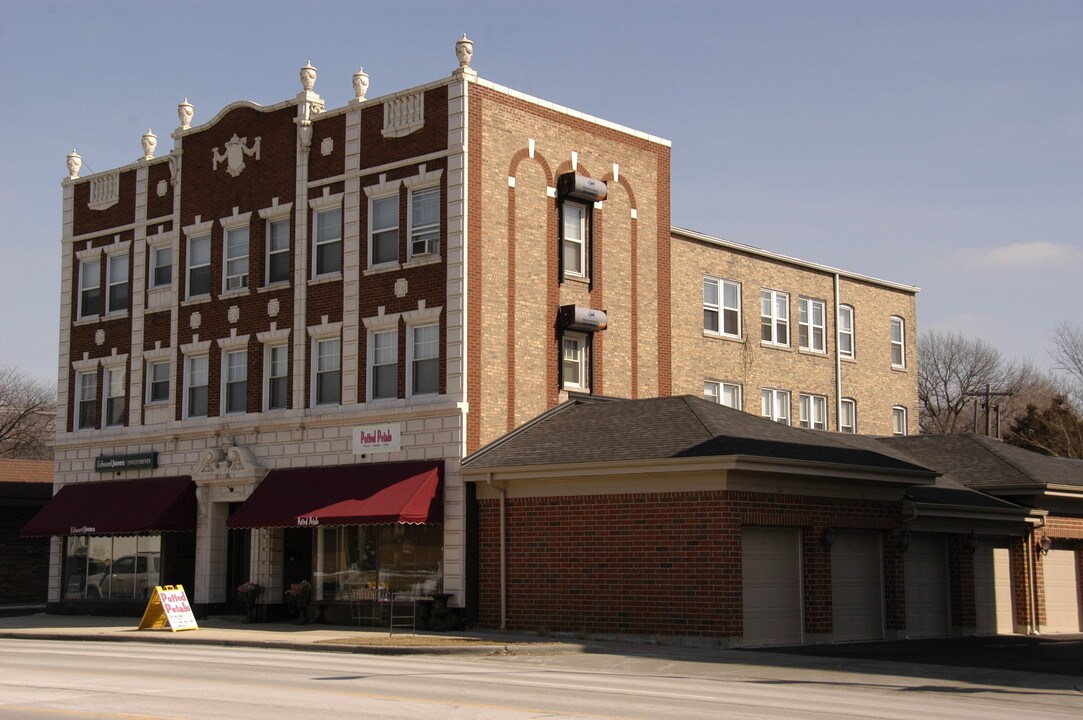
147 505
366 494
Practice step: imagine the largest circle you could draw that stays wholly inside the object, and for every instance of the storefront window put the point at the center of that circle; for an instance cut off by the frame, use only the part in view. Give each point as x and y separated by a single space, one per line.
111 567
377 562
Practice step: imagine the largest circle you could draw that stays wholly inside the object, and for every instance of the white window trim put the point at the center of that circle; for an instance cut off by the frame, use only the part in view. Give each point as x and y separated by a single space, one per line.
775 319
780 399
811 327
852 404
82 368
152 256
237 221
234 343
194 349
412 319
847 331
189 267
721 307
580 339
112 251
720 386
149 378
115 363
897 411
269 339
583 254
223 400
380 191
410 229
83 258
317 206
807 402
316 333
274 214
901 343
379 323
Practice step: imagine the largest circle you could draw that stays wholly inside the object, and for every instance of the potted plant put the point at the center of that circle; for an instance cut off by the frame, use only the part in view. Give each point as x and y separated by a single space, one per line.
298 596
249 592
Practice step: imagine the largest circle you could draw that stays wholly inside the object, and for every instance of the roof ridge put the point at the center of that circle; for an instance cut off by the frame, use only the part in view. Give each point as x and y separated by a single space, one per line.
999 456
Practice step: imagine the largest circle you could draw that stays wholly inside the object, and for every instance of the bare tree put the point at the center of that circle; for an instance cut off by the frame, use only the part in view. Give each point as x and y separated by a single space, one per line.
949 367
27 415
1067 355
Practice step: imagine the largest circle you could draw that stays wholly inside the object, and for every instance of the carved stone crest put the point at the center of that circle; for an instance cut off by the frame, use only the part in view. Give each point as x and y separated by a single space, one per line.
272 307
236 150
233 314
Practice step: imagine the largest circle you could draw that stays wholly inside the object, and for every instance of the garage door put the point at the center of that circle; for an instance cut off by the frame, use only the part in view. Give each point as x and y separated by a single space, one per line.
771 580
993 590
926 571
1061 591
856 593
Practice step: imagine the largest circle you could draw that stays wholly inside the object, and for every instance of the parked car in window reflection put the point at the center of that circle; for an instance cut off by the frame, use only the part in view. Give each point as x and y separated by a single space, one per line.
130 576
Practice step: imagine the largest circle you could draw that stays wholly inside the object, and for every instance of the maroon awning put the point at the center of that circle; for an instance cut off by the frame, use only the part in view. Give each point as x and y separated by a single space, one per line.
147 505
408 492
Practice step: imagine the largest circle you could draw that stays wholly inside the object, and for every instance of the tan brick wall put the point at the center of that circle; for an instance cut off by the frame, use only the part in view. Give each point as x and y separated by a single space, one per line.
518 284
869 379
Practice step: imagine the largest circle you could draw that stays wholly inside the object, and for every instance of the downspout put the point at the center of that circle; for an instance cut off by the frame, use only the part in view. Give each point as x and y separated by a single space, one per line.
503 554
838 364
1032 579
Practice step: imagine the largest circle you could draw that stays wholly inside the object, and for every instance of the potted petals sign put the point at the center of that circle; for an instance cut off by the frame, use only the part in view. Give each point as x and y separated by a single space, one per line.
384 437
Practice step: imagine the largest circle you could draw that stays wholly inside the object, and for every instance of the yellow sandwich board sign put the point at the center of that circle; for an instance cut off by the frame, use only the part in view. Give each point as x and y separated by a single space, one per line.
169 605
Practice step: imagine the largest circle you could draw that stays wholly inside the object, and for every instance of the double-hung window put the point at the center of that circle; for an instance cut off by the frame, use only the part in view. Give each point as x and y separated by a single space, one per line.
723 393
847 416
384 230
425 359
573 358
118 283
898 342
385 364
424 222
236 259
721 307
574 240
158 382
813 410
278 252
846 331
810 324
161 270
86 394
898 420
774 317
199 266
328 241
277 375
90 288
775 405
328 367
115 395
195 381
236 372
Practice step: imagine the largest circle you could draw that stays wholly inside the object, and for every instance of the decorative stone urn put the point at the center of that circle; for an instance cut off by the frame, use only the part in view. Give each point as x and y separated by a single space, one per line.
185 112
308 77
360 84
75 161
464 50
149 142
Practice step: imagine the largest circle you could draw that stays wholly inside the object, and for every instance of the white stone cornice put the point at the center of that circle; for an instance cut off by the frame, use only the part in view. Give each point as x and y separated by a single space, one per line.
196 347
381 321
325 329
114 359
423 178
422 314
162 237
326 201
273 336
235 220
117 248
383 187
85 364
276 211
198 228
88 254
234 341
158 354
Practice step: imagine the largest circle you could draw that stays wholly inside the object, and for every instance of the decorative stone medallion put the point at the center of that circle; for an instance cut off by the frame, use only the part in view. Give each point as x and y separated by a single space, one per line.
195 321
99 337
272 307
327 146
234 314
163 186
401 287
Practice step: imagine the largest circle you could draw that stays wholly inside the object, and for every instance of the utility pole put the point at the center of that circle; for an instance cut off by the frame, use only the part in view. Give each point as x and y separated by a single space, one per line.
987 395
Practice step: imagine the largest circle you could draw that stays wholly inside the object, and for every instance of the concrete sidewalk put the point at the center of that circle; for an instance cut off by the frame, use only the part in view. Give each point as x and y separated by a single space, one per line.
231 631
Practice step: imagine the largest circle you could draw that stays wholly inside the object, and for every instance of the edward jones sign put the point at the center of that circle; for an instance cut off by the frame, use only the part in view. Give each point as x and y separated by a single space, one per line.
384 437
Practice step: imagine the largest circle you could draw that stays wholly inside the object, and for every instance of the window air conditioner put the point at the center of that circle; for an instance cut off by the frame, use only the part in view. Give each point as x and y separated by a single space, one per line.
424 246
236 282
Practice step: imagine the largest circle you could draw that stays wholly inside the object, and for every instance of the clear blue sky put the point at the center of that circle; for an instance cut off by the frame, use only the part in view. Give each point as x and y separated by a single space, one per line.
932 142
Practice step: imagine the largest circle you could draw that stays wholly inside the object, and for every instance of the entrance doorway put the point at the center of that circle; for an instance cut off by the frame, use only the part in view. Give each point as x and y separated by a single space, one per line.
238 564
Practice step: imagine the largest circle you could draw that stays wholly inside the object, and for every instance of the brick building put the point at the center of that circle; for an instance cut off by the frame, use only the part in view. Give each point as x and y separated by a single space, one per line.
313 313
25 487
